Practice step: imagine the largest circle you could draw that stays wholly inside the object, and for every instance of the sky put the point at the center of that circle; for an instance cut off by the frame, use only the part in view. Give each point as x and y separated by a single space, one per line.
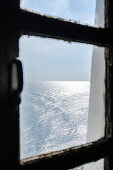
56 60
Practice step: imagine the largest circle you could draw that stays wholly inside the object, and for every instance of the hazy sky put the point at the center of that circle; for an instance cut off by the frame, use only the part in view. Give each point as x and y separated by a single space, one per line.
50 59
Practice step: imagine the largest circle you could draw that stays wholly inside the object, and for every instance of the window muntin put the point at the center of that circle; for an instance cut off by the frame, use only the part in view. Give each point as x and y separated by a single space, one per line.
81 11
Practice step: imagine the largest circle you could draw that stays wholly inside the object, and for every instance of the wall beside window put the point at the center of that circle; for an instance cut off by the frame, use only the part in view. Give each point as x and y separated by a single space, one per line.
96 118
96 121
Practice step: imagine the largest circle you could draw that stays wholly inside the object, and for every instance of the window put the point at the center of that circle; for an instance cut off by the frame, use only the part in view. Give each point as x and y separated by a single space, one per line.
16 22
55 96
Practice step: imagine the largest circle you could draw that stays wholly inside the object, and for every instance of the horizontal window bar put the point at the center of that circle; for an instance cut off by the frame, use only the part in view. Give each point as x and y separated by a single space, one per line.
35 24
69 158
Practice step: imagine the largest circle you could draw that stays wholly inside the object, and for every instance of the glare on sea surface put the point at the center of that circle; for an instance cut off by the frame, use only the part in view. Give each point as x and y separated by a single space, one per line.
71 87
56 116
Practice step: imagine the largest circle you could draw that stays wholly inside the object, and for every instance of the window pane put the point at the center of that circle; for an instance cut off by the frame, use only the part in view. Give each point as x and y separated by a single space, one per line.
55 98
75 10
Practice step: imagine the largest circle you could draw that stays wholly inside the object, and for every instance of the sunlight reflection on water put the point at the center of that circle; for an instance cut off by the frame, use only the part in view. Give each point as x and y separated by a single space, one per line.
53 116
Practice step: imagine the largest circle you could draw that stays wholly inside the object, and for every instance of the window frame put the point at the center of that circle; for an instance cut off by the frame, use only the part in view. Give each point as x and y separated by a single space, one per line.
20 22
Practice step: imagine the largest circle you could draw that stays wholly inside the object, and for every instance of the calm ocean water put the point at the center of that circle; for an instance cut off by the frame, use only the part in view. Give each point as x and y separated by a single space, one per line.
53 116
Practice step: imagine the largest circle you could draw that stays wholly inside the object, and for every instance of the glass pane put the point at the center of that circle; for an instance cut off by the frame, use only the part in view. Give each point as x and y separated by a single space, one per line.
84 12
55 98
98 165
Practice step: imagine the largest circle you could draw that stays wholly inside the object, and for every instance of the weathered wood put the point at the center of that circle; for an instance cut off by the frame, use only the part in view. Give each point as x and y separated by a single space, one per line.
69 158
109 75
35 24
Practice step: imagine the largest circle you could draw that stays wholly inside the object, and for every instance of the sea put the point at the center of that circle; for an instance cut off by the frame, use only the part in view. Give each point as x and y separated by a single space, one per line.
53 116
